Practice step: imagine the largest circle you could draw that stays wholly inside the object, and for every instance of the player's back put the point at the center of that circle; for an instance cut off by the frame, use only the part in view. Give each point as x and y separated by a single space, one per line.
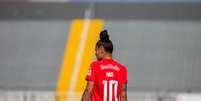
108 76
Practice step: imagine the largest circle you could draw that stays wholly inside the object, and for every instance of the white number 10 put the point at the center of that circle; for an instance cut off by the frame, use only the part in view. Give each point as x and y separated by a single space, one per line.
111 83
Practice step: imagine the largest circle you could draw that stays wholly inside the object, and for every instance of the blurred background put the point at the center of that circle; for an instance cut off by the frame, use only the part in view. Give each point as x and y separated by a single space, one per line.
46 47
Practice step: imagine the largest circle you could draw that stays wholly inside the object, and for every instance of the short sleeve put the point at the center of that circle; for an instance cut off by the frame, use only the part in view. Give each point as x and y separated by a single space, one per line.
91 73
125 76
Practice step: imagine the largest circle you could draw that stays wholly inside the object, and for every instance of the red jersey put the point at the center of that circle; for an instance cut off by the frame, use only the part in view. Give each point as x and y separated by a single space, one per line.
108 77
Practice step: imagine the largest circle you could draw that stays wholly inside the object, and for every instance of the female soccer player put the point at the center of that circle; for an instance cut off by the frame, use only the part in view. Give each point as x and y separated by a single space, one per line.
106 78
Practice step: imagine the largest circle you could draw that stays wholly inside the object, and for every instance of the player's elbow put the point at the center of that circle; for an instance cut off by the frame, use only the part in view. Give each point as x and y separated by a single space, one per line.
123 96
86 95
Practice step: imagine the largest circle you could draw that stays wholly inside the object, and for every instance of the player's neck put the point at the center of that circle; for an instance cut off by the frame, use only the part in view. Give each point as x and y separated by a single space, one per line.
107 57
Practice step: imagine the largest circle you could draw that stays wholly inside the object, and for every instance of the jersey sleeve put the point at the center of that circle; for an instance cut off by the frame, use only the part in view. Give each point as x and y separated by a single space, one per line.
125 76
91 73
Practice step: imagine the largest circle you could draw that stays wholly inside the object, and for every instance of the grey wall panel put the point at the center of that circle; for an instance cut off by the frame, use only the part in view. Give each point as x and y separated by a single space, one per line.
109 11
13 0
31 53
160 55
105 1
138 1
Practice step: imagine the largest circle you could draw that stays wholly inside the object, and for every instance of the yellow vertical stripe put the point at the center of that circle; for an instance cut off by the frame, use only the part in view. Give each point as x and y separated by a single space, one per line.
93 34
70 53
68 59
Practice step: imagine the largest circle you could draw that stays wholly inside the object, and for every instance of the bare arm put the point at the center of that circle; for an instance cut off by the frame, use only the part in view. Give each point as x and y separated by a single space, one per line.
123 94
87 92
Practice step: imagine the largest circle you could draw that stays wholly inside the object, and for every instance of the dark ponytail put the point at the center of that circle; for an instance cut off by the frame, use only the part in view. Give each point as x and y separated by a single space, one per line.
104 36
105 42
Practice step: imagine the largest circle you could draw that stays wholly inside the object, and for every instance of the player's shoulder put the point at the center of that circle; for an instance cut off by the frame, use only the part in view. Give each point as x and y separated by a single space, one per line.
94 63
120 65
